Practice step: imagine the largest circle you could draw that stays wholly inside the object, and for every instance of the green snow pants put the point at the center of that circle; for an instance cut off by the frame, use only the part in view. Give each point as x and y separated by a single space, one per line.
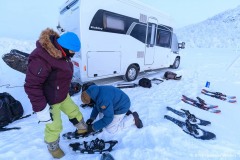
53 130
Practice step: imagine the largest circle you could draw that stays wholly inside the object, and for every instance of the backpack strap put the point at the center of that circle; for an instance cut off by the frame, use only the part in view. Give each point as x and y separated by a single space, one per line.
2 129
7 129
157 80
24 116
178 78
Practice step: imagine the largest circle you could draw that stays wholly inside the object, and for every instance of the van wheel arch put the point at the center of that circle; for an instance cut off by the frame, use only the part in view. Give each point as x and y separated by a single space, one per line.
176 63
131 72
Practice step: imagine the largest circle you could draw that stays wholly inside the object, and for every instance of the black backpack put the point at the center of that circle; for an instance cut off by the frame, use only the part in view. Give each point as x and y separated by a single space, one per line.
10 110
74 88
145 82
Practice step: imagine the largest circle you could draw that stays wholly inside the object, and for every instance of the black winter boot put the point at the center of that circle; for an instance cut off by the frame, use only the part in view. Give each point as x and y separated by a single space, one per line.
138 121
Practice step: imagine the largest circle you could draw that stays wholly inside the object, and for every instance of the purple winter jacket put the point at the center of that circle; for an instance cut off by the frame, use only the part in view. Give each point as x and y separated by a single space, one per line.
49 73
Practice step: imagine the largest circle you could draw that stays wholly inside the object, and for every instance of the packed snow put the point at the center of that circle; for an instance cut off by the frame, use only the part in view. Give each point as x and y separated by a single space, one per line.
159 138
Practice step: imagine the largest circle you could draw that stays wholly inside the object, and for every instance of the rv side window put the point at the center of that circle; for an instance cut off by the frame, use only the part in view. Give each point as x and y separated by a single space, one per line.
163 38
139 32
111 22
105 21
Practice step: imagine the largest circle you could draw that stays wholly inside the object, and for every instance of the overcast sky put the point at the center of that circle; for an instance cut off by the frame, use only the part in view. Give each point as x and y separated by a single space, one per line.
25 19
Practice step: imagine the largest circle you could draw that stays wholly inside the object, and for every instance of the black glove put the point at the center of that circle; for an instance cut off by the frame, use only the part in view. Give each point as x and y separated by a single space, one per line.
90 128
89 121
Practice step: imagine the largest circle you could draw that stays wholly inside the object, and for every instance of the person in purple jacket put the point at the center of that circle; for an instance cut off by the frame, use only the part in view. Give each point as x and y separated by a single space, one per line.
47 82
112 105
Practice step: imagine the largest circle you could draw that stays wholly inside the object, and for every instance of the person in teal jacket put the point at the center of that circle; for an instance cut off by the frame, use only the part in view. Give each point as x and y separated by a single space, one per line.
112 105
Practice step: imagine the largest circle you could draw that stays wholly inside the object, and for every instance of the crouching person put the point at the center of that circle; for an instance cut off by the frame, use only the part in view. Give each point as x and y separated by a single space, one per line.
112 105
48 78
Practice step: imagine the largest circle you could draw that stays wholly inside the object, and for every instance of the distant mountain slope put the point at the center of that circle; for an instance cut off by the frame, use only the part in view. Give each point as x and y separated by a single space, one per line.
220 31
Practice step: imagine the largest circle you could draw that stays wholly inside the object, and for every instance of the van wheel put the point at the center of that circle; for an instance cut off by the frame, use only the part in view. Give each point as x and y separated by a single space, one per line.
131 73
176 63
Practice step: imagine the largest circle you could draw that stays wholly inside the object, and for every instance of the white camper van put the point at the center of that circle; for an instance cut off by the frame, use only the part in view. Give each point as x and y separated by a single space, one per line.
119 37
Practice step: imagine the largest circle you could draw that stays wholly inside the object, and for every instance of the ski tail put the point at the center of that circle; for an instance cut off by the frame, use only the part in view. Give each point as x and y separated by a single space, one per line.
232 101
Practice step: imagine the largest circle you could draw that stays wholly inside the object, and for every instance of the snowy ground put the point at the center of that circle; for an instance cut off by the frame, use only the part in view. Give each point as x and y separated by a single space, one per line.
159 139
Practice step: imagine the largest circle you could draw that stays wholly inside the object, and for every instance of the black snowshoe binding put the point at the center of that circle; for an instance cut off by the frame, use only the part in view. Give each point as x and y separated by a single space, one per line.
192 128
190 117
94 146
200 100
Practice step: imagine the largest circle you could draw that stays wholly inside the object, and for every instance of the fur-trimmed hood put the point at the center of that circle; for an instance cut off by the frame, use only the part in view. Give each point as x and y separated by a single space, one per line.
47 43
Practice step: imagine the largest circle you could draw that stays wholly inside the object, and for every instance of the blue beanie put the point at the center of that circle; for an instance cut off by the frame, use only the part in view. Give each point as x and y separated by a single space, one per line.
69 40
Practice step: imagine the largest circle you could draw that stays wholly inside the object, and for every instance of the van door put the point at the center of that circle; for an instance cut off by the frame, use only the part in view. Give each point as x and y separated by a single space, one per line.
150 41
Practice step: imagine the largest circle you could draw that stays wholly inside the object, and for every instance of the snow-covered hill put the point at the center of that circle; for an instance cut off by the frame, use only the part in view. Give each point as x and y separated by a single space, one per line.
220 31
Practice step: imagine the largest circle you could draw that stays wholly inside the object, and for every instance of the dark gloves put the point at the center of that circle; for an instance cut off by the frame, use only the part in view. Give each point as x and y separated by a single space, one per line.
89 121
90 128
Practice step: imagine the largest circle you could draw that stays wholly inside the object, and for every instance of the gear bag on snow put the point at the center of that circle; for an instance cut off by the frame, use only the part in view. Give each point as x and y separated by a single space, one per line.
10 110
171 75
74 88
145 82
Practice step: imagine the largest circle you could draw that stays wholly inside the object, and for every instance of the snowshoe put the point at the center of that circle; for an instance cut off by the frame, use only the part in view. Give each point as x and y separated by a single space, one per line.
192 129
94 146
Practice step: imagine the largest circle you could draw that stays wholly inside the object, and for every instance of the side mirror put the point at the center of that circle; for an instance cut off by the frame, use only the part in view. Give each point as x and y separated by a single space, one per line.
181 45
60 29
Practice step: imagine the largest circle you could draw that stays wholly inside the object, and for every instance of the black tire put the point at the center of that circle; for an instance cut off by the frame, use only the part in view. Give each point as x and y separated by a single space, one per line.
131 73
176 63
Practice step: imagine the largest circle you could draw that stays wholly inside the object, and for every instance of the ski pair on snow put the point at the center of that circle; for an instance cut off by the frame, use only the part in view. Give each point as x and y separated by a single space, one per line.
190 126
200 103
219 95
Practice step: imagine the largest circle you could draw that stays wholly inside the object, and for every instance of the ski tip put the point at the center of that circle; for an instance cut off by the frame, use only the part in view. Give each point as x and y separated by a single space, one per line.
232 101
218 112
166 116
